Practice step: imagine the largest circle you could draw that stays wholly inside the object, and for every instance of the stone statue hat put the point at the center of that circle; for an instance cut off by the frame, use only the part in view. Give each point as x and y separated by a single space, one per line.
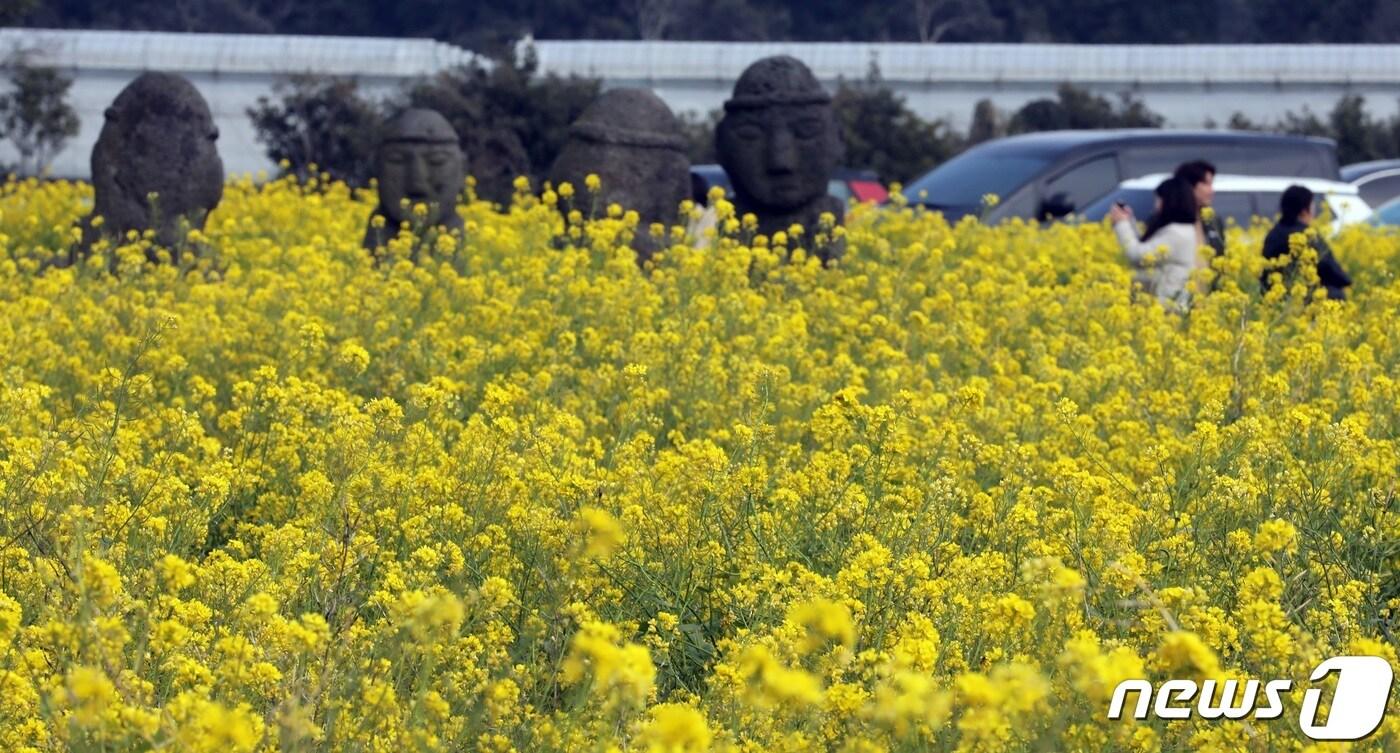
777 80
629 117
419 125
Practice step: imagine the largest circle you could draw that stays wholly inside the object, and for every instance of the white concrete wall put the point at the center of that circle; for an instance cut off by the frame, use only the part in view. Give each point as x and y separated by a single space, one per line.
1183 105
1187 84
229 97
231 71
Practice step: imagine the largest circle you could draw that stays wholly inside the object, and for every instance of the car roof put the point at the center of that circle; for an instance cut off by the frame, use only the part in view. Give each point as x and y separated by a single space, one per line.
1061 141
1372 175
840 173
1251 183
1361 169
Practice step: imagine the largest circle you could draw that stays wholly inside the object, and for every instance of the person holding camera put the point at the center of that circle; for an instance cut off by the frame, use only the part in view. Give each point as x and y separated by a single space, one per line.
1166 254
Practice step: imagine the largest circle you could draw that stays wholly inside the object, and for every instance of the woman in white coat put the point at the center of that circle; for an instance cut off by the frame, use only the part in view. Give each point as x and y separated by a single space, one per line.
1168 252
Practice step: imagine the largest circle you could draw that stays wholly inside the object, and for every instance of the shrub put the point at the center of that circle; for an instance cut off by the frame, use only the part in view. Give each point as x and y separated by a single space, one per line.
35 116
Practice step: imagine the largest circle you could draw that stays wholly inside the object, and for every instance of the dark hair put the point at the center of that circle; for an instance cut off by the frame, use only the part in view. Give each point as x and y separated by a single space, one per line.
1178 205
1294 200
1195 171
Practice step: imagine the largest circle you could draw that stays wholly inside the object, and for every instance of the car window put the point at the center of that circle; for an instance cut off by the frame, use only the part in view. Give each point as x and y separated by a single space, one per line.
1267 161
1290 160
1379 190
1078 187
1266 203
1149 160
963 180
1021 203
1261 159
702 180
839 189
1139 199
1237 206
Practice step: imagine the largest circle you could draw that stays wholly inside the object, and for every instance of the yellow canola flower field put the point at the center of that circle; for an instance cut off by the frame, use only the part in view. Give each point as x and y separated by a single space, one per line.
523 496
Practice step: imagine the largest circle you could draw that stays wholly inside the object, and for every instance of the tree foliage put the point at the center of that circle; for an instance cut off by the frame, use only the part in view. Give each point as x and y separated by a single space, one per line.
884 135
489 26
511 120
1075 107
1359 135
700 135
35 117
14 11
321 121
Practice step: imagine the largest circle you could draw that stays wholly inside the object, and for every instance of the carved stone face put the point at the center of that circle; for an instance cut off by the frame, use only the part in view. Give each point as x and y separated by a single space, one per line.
632 141
778 141
420 160
781 156
158 138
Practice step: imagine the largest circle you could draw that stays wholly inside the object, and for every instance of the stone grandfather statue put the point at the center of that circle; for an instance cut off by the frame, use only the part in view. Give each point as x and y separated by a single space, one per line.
155 165
633 142
420 161
780 143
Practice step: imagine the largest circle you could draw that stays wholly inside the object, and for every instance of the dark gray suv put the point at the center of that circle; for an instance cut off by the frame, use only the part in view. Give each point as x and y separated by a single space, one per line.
1055 173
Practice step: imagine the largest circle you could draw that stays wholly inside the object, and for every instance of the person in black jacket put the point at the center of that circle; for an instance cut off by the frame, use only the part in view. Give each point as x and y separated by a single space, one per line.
1296 213
1201 174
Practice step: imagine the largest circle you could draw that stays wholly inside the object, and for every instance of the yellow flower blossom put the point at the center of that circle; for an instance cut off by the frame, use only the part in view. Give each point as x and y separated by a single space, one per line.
601 532
508 490
675 728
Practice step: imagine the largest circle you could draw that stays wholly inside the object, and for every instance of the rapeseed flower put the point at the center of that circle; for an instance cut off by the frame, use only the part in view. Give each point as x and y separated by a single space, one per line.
507 491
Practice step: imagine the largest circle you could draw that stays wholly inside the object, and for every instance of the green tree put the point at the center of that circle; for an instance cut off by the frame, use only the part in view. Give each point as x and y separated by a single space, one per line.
489 27
987 123
1078 108
35 116
321 121
14 11
512 120
1359 136
700 136
939 20
884 135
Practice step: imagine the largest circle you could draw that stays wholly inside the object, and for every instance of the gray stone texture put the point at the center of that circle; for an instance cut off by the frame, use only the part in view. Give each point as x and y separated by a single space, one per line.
780 143
155 164
632 141
420 161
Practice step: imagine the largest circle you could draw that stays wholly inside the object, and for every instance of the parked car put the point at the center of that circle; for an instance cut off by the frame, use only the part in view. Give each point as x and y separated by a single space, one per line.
1379 180
846 183
1057 173
705 177
1241 198
1387 214
861 185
